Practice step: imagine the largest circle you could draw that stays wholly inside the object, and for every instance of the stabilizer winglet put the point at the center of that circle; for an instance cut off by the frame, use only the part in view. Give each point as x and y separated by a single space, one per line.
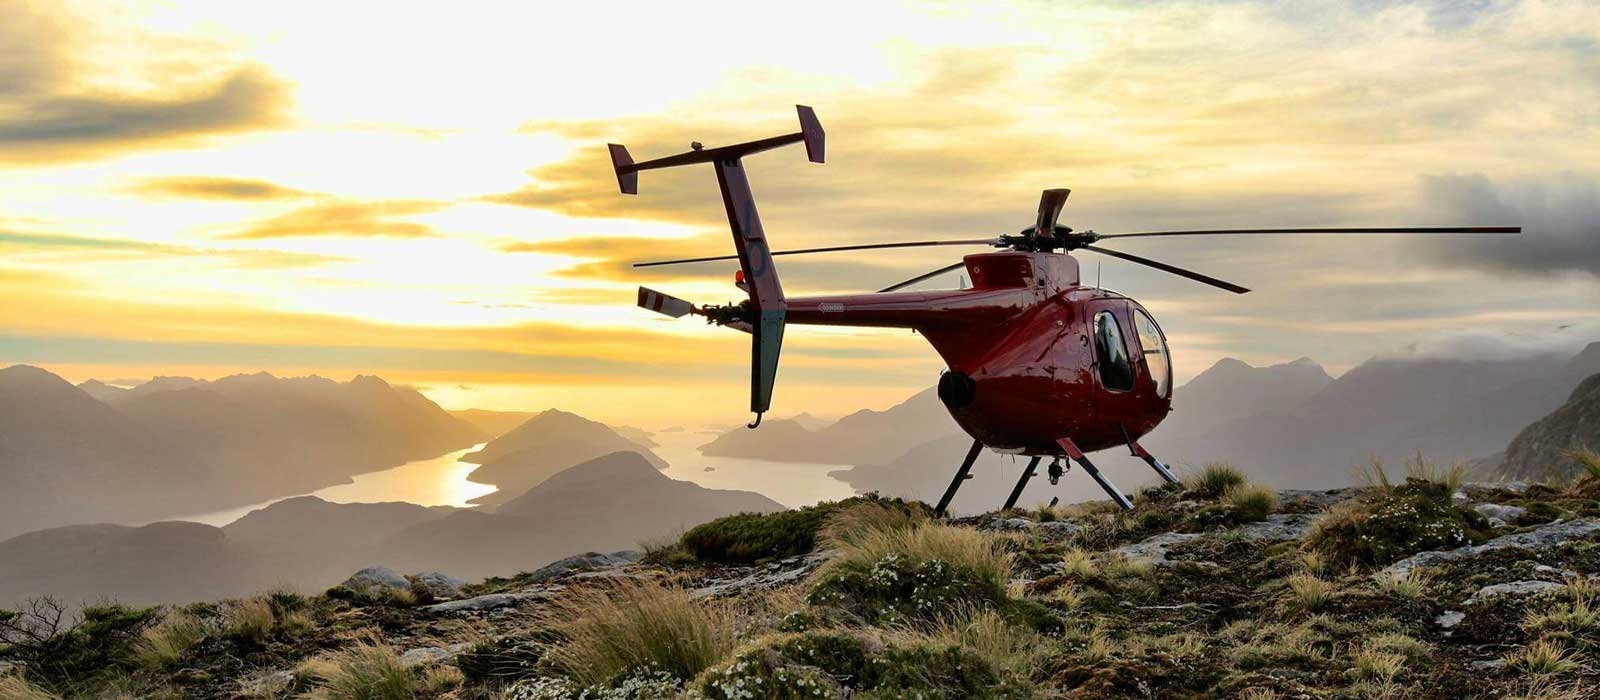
627 178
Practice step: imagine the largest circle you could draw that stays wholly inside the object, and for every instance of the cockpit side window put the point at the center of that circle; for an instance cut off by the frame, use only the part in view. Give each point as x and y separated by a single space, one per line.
1155 352
1116 370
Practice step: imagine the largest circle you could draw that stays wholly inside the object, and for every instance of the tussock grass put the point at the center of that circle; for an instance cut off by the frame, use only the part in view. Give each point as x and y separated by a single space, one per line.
1313 564
1258 694
1575 613
613 630
1376 665
165 643
1544 657
1251 503
846 525
1080 564
1411 587
986 633
1447 477
367 671
1214 480
249 621
927 571
15 688
1588 461
1309 592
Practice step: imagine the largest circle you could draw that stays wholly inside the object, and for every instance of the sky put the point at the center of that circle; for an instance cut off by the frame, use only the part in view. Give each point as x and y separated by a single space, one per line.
423 191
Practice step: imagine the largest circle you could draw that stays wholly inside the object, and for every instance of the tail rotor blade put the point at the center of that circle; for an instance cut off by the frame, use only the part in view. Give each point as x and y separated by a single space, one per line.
925 276
1236 289
664 303
1050 204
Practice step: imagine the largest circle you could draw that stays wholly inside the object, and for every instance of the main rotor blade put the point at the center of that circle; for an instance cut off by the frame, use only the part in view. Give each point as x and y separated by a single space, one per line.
1236 289
829 249
927 276
1050 204
1264 231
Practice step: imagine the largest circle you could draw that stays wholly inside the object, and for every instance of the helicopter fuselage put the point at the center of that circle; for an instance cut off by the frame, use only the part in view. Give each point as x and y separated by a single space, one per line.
1033 355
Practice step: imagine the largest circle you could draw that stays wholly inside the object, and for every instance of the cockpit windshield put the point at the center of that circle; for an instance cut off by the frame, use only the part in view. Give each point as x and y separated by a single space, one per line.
1155 352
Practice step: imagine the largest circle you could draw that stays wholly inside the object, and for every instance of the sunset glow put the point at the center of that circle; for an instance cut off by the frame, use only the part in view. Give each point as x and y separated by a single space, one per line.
423 192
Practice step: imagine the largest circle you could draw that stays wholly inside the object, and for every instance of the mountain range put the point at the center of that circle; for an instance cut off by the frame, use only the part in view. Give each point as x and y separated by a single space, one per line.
1288 425
174 445
607 503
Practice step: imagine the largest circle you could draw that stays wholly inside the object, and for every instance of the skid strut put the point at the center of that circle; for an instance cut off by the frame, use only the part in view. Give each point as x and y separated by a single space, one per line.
1150 459
1078 456
1022 482
961 475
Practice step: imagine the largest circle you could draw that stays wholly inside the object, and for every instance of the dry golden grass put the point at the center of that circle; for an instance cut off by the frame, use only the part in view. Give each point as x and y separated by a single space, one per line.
978 555
627 625
1309 592
249 620
166 642
845 526
369 670
14 688
1544 657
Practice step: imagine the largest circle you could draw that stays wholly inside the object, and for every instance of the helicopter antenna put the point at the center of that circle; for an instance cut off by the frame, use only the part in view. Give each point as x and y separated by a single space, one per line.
1097 274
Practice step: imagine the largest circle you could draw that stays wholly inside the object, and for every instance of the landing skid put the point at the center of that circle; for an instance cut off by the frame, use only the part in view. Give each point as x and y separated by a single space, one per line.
1074 454
1077 455
962 474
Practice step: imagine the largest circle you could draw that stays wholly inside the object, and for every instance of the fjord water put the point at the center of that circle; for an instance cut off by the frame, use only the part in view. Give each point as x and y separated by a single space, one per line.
439 481
442 480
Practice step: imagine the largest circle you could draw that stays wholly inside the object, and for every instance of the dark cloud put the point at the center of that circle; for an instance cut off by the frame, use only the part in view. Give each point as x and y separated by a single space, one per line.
46 116
345 218
1560 218
227 188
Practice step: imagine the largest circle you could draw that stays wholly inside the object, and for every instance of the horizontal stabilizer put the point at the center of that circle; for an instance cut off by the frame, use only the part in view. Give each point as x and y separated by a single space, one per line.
811 131
664 303
628 180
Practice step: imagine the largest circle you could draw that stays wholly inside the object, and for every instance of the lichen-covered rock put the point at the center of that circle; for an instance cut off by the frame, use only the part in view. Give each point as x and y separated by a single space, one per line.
440 586
1538 538
375 579
1499 515
492 601
1515 588
1153 550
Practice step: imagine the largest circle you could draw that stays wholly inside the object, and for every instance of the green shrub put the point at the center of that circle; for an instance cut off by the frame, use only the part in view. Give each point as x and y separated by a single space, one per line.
367 671
1214 480
1393 523
748 538
102 641
612 631
922 573
836 665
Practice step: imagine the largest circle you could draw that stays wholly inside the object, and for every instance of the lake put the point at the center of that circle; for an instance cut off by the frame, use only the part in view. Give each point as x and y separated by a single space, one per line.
442 480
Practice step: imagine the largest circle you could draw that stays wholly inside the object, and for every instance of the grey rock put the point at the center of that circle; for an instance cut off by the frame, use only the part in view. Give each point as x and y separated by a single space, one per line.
491 601
1315 500
431 655
270 685
1499 515
1013 525
1058 530
1282 526
578 563
1450 618
1517 588
1489 664
1154 549
439 585
374 578
1542 537
762 579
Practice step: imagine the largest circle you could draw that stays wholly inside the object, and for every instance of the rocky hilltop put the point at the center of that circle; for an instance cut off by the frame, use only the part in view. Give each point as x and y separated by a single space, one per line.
1412 587
1546 448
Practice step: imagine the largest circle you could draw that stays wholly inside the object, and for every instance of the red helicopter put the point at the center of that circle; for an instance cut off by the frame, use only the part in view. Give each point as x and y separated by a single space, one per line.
1039 365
